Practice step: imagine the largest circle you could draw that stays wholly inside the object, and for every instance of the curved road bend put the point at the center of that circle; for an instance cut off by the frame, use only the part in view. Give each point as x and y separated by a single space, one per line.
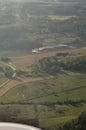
13 76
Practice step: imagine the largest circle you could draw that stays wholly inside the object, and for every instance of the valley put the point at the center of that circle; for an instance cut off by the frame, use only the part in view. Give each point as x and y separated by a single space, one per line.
43 63
58 95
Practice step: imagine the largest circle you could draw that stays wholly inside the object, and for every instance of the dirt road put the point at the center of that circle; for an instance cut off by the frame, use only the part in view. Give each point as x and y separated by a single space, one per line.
14 83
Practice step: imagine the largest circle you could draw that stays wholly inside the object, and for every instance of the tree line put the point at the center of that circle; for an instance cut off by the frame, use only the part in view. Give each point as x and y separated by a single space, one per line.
54 65
77 124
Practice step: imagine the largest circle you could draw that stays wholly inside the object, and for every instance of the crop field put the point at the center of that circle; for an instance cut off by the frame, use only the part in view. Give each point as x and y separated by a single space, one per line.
60 88
28 60
47 101
47 94
42 62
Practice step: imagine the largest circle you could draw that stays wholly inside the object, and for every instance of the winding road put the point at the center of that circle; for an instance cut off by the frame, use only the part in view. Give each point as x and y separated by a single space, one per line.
13 76
10 83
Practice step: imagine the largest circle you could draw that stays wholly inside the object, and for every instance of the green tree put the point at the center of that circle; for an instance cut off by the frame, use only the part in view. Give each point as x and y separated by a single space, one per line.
6 59
8 72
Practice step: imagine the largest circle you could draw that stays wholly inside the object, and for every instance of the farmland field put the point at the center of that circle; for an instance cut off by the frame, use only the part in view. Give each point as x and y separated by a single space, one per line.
43 63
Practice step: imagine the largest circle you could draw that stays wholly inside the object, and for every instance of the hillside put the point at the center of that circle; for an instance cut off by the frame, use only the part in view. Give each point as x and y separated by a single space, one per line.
49 92
60 63
43 63
25 25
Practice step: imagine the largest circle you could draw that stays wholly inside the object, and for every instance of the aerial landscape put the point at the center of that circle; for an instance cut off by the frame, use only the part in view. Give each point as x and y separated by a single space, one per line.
43 63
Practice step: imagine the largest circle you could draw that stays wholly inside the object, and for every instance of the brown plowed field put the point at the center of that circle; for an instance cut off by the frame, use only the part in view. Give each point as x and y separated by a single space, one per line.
29 59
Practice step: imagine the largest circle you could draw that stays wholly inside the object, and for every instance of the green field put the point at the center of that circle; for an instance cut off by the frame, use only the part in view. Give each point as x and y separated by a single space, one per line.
49 86
46 95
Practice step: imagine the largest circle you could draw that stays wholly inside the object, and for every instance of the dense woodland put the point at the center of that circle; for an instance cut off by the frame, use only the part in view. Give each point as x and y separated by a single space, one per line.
62 61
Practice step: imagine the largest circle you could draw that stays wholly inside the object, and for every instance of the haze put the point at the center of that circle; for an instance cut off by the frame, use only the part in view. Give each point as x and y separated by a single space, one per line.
43 63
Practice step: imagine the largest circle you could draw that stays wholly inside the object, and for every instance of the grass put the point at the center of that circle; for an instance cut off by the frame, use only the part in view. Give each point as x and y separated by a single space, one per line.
59 88
55 121
58 119
17 110
71 87
64 87
67 39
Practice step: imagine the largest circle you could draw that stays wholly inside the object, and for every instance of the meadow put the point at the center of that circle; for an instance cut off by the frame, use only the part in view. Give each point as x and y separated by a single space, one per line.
57 100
